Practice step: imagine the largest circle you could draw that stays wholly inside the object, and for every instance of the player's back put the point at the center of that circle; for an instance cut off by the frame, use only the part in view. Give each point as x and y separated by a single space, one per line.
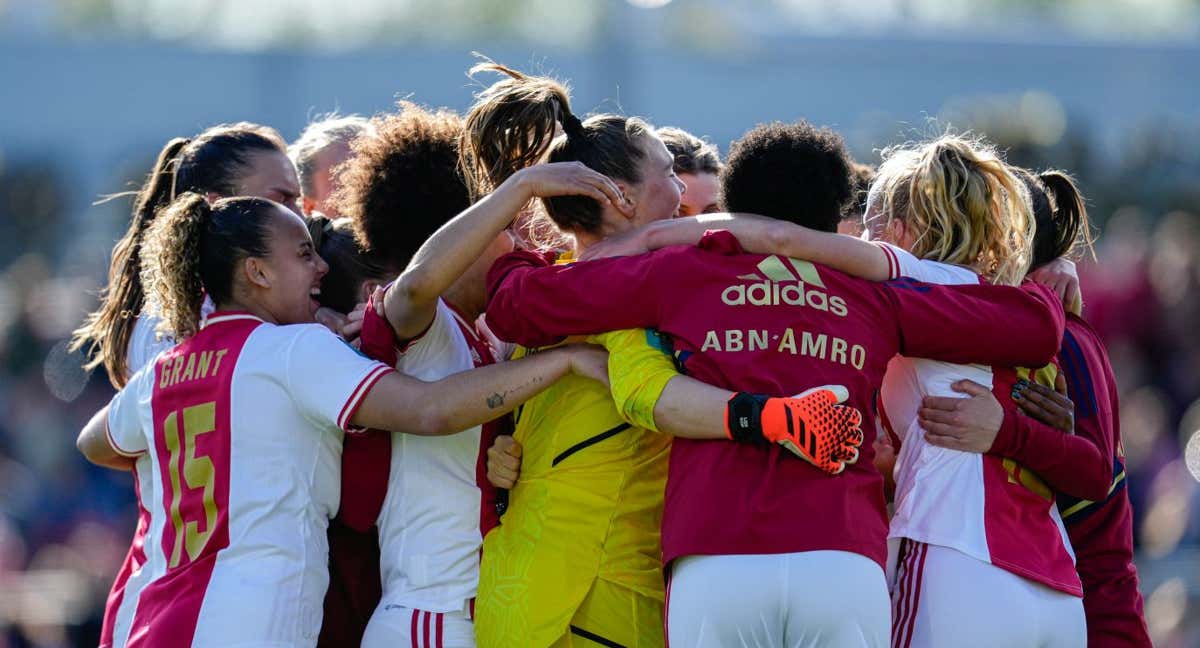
986 507
248 472
1102 532
776 326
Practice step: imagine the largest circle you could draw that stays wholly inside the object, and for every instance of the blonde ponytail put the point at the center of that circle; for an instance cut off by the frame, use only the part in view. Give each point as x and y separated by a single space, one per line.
964 205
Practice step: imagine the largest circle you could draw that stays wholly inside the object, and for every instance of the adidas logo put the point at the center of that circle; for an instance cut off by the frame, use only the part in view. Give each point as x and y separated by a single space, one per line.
794 283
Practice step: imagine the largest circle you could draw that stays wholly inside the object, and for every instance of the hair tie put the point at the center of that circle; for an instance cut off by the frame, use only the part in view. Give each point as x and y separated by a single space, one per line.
571 125
318 226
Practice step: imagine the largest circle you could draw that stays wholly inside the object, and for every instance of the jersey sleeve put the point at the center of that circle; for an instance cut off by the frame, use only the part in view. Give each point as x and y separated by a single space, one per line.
534 304
902 263
1069 463
993 325
327 378
123 427
639 368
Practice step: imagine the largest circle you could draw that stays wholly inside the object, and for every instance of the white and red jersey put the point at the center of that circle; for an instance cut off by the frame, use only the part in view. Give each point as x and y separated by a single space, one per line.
974 503
242 425
430 524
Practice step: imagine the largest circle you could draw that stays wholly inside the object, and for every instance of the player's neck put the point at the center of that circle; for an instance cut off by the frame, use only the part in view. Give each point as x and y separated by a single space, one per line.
254 309
467 295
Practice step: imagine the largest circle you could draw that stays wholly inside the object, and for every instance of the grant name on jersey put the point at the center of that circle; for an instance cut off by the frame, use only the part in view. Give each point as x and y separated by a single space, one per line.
192 366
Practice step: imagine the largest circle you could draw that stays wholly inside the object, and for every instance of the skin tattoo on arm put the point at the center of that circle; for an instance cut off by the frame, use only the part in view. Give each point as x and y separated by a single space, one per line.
497 398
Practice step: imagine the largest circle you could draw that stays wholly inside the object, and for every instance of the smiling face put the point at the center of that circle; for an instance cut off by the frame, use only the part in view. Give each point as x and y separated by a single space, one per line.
288 279
656 196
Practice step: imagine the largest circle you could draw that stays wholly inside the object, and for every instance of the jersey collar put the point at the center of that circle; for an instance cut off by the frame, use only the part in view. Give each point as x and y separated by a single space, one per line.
220 317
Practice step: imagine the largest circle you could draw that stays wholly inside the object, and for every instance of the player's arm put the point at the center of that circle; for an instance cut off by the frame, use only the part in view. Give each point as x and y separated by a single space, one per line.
757 235
984 423
412 299
404 404
94 444
650 393
1005 326
535 304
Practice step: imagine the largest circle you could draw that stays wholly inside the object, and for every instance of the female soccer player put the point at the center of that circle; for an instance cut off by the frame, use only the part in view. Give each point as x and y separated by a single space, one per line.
242 424
956 205
773 324
591 485
591 494
240 159
1100 527
226 160
697 164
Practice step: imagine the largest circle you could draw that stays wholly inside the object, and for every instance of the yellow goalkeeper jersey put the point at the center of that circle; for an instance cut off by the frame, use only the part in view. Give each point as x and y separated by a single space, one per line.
583 520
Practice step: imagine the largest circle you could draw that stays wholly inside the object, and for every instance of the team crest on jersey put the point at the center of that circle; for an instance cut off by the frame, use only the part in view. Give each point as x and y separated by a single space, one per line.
784 281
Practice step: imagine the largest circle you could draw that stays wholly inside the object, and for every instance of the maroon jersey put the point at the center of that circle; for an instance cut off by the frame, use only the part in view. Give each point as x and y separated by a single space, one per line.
777 326
1101 531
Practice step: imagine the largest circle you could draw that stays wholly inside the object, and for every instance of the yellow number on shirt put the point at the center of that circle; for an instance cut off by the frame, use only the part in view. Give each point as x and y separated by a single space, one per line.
198 472
1018 474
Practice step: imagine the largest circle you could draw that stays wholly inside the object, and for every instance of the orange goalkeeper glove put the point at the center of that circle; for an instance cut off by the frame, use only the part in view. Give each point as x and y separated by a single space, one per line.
814 425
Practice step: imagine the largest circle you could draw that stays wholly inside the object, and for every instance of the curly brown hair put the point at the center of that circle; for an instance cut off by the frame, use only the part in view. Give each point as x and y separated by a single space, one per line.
192 248
403 184
795 172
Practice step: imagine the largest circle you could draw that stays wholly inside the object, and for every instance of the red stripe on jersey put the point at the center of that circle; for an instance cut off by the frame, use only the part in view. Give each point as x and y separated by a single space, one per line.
440 619
892 261
192 439
359 393
425 628
919 578
903 588
482 356
412 630
134 559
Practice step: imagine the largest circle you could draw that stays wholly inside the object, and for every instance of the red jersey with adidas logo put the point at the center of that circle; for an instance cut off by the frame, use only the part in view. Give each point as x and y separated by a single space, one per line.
777 326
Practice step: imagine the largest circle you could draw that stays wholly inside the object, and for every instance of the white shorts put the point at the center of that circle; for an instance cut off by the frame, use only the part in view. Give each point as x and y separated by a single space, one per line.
396 626
796 600
944 597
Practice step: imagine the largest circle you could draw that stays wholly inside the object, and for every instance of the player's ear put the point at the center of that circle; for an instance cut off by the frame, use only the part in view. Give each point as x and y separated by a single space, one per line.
368 287
256 272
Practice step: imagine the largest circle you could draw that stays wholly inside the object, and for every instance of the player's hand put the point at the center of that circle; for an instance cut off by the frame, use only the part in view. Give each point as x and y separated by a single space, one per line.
330 319
816 427
1061 276
967 424
1050 406
589 361
571 179
354 323
504 462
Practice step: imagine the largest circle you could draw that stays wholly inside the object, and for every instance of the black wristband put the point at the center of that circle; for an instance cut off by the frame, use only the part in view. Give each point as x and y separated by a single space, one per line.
743 417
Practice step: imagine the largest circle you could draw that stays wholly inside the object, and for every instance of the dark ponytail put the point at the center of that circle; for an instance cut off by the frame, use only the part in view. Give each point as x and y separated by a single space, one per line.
349 264
212 162
106 331
1061 215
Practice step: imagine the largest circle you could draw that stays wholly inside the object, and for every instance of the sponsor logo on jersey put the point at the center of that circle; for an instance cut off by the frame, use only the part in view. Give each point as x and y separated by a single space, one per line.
784 281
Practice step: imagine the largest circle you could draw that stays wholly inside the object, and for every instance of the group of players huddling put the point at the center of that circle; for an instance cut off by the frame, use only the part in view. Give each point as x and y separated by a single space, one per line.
506 379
